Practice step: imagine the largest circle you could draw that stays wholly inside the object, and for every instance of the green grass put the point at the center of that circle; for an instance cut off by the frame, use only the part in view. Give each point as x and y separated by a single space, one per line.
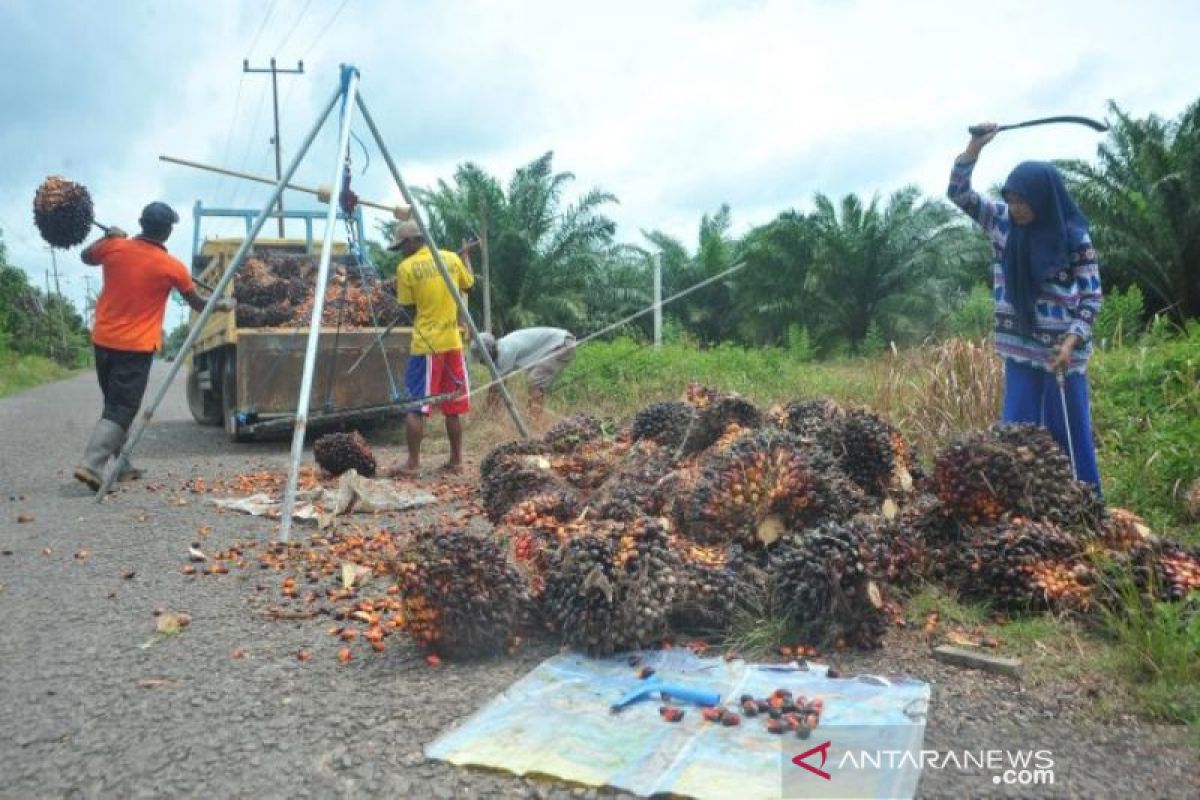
23 372
1158 652
1146 409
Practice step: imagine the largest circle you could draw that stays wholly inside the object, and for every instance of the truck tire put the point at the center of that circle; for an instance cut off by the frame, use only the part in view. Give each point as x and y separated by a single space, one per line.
229 409
204 405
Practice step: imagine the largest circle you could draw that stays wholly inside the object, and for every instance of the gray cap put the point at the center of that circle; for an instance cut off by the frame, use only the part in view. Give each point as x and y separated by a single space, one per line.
403 231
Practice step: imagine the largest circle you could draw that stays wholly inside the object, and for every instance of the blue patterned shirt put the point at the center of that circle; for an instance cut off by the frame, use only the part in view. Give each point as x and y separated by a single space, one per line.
1067 302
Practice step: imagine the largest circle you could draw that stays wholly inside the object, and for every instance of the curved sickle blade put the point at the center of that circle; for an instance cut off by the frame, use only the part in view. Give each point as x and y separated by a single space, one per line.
1099 127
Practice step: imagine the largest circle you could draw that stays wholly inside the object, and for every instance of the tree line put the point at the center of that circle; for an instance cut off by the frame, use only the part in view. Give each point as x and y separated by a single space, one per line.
846 276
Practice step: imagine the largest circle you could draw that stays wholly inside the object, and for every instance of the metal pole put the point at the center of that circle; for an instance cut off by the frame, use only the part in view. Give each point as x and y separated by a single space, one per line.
657 302
349 88
323 195
218 290
497 379
275 141
275 102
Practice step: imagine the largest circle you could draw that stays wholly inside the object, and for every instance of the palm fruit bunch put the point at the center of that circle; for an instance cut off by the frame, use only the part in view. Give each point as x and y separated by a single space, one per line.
811 420
824 576
612 588
62 211
514 478
500 454
1028 565
257 285
700 396
1013 469
765 484
872 452
461 597
588 465
899 556
667 424
721 415
712 582
935 537
633 489
1122 531
292 267
1178 570
572 432
337 452
536 526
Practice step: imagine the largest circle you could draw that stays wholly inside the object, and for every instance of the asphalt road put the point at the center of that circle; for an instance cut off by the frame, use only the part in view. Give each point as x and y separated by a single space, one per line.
93 704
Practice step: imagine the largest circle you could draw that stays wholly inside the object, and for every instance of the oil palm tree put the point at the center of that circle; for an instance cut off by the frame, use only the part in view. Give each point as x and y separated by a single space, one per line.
1142 196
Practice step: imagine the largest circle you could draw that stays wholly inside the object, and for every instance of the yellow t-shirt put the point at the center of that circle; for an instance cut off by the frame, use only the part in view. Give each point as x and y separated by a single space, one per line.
420 284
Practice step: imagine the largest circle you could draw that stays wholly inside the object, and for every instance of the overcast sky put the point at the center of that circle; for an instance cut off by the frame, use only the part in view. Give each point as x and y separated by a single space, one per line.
676 107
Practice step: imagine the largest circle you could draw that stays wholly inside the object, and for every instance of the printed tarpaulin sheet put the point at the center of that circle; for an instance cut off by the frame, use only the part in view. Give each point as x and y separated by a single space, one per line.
555 721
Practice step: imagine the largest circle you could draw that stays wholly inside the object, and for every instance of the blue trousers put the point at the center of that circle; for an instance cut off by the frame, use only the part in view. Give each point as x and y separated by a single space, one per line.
1031 395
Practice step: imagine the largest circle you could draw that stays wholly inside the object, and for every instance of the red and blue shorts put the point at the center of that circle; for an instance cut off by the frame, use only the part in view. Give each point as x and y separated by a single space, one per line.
439 373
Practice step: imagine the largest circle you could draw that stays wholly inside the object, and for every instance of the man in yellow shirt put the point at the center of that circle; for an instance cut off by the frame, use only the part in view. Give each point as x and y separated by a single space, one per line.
435 362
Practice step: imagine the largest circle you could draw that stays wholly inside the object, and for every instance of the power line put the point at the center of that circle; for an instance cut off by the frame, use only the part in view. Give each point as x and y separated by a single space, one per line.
320 37
261 28
295 25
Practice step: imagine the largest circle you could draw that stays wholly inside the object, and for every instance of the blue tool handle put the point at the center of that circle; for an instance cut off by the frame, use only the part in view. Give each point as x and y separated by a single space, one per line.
700 697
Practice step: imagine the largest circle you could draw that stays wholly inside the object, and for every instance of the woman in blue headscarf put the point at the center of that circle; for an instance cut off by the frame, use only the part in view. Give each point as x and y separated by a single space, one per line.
1046 284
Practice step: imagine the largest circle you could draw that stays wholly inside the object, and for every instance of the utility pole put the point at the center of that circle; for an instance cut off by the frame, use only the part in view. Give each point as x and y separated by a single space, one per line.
89 302
62 314
275 71
658 301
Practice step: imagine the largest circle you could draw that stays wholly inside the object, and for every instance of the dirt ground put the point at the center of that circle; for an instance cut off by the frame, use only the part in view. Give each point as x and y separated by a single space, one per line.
94 703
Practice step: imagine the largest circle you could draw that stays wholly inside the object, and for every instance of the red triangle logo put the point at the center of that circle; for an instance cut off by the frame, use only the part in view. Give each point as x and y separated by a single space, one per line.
823 749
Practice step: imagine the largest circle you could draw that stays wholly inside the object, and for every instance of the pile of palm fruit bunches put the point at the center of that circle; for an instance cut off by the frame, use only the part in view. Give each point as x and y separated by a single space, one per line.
276 291
703 509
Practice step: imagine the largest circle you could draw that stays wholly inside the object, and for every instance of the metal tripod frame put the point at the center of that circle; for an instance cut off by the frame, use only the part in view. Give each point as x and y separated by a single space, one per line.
347 94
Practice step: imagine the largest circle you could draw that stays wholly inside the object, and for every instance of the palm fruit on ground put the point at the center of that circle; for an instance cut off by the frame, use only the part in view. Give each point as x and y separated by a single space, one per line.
825 577
62 212
613 588
765 484
632 490
1031 566
337 452
811 420
1013 469
667 424
569 434
461 596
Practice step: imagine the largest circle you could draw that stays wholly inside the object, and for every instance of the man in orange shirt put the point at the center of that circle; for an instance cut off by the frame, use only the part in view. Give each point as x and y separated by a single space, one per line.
139 275
435 362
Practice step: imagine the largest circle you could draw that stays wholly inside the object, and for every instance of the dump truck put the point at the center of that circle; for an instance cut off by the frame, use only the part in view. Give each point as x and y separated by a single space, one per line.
248 379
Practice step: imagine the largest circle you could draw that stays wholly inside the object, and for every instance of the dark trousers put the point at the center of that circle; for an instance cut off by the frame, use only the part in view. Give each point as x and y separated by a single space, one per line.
123 376
1031 395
